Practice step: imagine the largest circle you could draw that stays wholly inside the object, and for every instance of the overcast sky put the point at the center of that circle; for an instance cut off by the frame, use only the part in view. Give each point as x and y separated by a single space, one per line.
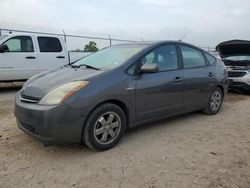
203 23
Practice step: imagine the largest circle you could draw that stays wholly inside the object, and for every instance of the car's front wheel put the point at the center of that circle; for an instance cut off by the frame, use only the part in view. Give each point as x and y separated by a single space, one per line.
104 127
215 102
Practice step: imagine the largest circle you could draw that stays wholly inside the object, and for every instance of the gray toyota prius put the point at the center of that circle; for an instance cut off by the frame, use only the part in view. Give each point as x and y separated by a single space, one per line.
96 99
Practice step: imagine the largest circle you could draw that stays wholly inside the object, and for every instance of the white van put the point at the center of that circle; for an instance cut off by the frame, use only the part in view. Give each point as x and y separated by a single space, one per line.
24 55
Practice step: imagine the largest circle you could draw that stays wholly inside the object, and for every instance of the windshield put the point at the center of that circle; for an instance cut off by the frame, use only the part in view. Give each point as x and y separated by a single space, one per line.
1 37
238 58
110 57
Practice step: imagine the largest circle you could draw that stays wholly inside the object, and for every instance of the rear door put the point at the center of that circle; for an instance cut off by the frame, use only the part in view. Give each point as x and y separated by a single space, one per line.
19 61
52 53
196 78
160 94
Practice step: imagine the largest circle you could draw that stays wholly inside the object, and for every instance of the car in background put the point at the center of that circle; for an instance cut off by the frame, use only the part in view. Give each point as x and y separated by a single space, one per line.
96 99
23 55
236 56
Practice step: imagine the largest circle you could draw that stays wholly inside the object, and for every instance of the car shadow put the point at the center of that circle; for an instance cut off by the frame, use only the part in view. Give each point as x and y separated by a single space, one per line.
2 90
233 91
6 88
165 122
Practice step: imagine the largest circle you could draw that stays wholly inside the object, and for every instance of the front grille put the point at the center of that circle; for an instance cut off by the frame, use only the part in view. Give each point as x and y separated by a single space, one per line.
28 99
236 73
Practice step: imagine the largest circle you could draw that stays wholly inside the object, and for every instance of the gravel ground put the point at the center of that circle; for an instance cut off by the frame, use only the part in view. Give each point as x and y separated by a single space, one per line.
193 150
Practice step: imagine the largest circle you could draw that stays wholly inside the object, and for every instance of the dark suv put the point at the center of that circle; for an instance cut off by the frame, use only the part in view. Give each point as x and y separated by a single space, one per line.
96 99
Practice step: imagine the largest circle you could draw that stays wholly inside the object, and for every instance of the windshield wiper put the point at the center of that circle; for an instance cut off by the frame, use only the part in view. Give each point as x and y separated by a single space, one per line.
85 65
88 66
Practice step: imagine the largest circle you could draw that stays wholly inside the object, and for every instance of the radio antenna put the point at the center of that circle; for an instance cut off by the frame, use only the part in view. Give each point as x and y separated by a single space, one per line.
184 36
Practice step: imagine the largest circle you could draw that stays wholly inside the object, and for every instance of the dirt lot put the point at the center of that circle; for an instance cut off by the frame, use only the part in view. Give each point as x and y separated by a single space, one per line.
193 150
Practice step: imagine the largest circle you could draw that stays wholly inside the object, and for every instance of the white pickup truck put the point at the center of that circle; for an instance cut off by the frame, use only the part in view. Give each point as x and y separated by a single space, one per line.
24 55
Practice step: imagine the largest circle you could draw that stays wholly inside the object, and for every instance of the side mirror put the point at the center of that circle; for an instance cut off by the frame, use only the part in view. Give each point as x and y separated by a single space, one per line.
149 68
3 48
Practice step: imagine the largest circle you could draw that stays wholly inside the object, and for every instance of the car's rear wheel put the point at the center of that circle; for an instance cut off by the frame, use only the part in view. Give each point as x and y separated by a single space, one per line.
215 102
105 127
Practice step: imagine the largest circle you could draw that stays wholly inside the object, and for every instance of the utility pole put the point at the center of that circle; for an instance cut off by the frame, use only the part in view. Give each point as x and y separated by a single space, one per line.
110 40
65 37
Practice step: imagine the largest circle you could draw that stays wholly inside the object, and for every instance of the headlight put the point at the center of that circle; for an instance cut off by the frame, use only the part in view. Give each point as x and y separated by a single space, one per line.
62 93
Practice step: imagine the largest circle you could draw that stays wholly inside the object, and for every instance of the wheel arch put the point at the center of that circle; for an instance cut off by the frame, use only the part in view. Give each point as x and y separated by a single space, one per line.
222 89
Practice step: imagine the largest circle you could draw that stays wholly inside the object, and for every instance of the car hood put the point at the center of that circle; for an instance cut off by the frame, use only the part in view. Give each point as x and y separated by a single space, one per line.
233 48
41 84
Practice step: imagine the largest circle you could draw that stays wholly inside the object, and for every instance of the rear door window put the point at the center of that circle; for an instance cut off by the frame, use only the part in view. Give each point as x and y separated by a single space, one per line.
211 60
20 44
192 57
49 44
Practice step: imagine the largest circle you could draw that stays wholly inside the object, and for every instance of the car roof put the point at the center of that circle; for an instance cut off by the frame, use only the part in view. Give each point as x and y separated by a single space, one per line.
157 43
147 43
154 43
34 34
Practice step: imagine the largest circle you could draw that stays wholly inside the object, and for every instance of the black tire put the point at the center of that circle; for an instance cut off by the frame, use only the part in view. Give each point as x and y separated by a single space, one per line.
99 120
214 108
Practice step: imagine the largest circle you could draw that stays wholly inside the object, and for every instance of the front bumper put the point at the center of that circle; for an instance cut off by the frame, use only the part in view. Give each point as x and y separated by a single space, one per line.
51 125
241 83
239 86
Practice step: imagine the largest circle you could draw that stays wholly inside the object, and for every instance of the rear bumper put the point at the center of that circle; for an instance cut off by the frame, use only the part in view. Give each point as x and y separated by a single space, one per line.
49 124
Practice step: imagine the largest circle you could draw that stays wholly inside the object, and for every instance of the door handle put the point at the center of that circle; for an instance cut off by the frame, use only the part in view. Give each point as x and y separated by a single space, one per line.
30 57
178 80
60 57
210 74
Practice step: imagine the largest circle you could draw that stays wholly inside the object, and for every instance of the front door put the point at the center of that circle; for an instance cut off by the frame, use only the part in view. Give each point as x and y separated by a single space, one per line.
160 94
19 61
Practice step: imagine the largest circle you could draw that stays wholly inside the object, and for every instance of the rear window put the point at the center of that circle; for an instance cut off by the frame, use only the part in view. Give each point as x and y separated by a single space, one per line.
49 44
211 60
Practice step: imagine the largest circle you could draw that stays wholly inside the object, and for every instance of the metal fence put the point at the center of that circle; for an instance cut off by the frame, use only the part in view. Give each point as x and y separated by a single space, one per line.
106 41
101 41
211 50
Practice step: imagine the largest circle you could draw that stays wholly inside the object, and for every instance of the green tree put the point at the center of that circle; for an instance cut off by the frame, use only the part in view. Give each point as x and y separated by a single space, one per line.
91 47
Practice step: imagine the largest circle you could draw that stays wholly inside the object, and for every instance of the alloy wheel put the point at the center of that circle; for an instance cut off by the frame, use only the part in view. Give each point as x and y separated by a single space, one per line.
107 128
215 100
